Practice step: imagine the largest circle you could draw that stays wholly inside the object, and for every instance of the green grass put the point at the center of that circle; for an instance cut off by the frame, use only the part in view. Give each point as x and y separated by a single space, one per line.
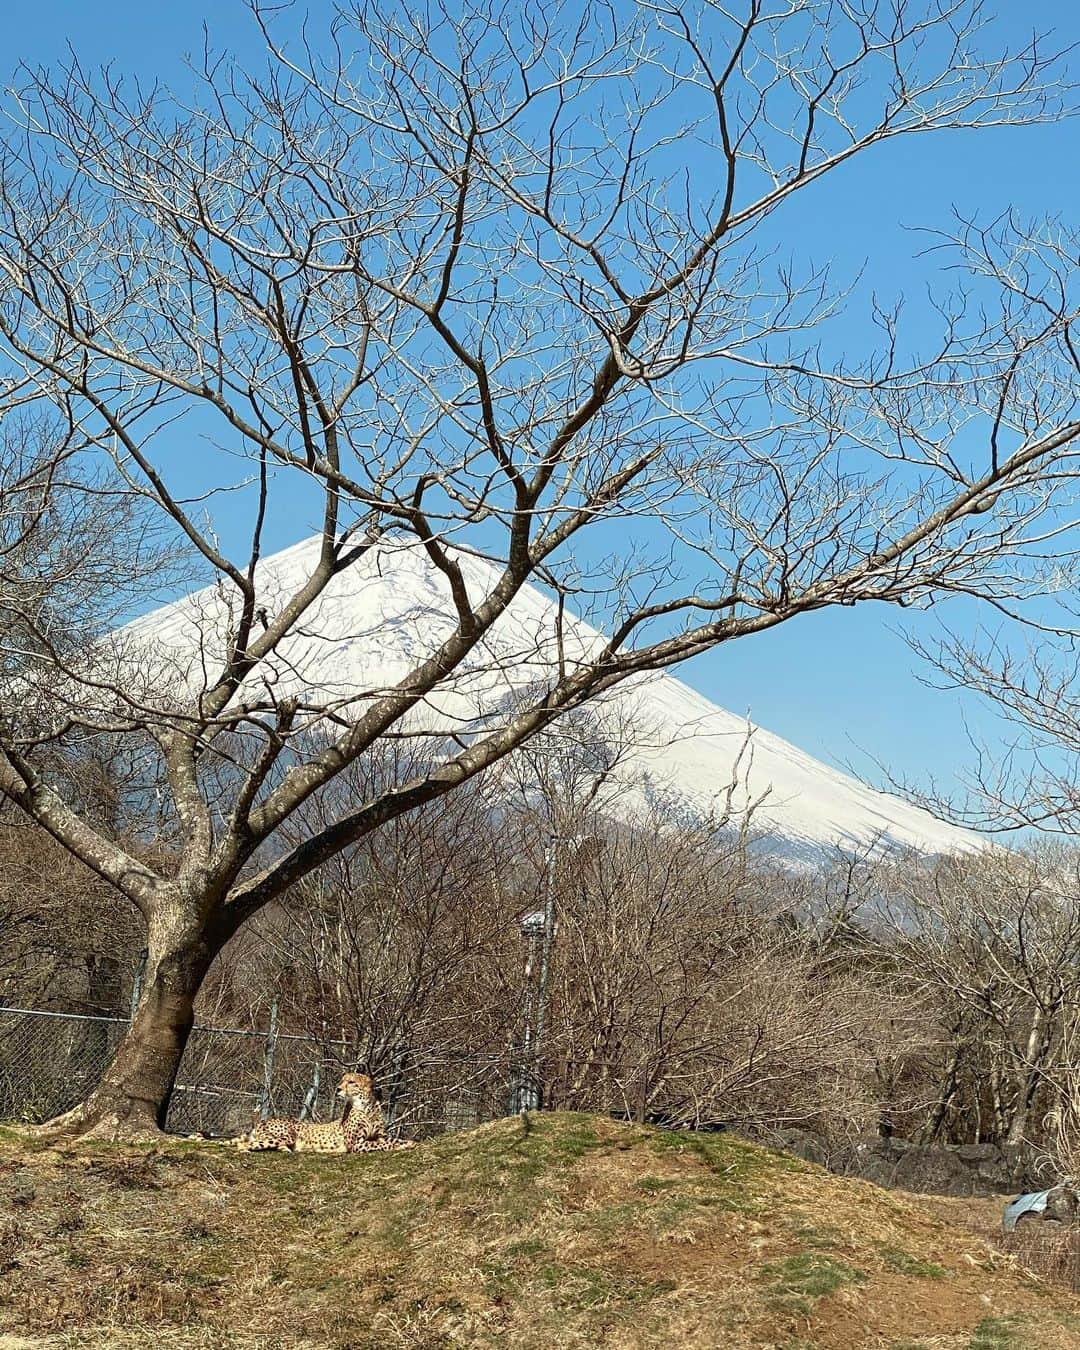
820 1239
653 1185
904 1264
527 1248
578 1287
726 1155
998 1333
798 1280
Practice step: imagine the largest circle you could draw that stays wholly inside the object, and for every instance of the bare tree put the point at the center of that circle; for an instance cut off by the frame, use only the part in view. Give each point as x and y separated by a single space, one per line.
1062 1121
62 935
1030 676
481 286
688 988
994 943
404 940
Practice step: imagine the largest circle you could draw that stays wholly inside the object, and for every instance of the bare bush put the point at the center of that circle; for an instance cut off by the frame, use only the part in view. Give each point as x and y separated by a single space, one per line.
994 945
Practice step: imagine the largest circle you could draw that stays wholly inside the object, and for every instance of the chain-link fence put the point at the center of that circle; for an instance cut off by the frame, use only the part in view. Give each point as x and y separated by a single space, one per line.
1051 1249
50 1061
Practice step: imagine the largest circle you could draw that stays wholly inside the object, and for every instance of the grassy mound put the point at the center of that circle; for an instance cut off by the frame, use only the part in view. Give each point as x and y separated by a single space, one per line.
559 1230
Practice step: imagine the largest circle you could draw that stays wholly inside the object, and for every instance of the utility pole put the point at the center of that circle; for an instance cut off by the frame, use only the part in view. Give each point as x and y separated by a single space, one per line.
547 941
526 1095
543 926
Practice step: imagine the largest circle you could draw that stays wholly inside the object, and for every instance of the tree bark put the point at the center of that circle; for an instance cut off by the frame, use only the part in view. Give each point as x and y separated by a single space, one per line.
133 1097
1028 1077
950 1081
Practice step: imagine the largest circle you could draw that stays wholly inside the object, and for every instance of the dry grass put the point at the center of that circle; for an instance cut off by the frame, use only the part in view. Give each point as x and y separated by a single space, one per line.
1046 1248
1051 1249
567 1231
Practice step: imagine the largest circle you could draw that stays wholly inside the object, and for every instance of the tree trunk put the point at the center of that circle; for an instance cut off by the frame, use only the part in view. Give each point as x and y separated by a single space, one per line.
132 1098
949 1084
1001 1117
1027 1078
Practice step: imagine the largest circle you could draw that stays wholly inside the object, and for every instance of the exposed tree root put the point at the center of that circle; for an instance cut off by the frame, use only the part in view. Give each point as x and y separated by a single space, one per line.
84 1122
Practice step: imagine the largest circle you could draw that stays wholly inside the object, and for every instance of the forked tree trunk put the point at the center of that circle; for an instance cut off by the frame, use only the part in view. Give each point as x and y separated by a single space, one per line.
1028 1077
132 1098
950 1083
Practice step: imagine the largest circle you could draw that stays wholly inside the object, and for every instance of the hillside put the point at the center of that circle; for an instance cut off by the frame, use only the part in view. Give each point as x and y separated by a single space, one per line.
564 1231
381 616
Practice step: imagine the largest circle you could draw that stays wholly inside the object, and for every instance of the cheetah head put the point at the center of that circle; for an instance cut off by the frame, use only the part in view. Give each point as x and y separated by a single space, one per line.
357 1087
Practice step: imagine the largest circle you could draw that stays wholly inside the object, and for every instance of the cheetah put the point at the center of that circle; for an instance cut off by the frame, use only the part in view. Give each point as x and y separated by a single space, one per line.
361 1128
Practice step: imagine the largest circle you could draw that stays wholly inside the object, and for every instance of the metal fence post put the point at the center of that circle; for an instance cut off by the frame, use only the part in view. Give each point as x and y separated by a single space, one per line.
311 1097
268 1058
395 1084
641 1105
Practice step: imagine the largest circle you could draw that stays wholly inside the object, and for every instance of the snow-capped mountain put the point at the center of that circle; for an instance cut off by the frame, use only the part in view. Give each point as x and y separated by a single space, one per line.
378 618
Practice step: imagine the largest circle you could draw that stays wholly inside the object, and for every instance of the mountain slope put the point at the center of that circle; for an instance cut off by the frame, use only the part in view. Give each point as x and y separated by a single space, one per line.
380 617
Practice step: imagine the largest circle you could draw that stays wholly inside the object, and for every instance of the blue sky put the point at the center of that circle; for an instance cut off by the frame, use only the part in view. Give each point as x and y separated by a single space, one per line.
841 684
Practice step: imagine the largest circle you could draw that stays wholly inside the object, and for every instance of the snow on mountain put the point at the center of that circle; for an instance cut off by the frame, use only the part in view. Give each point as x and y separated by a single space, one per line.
377 619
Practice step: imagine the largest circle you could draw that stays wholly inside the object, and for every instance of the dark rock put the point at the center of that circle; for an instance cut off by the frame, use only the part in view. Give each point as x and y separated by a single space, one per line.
977 1153
1062 1203
943 1169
